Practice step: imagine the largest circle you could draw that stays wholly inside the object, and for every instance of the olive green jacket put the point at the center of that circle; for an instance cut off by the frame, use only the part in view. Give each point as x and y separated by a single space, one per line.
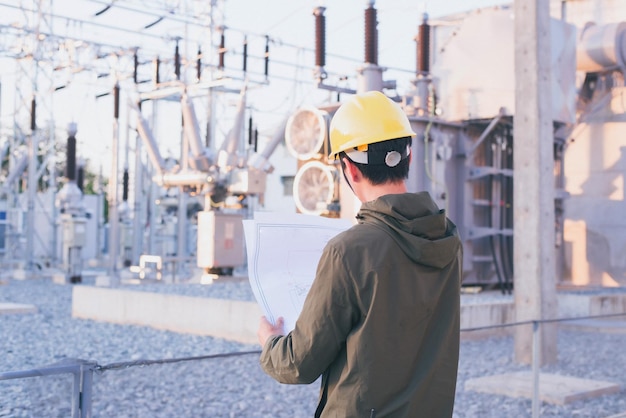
381 320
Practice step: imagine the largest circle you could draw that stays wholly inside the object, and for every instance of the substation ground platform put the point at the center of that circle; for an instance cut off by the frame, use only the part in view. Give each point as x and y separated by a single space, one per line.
238 321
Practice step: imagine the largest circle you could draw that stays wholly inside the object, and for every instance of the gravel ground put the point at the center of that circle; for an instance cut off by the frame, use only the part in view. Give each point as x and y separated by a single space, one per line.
236 386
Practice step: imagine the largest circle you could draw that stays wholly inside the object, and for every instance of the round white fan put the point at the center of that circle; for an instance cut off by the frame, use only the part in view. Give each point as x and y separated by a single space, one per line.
305 132
314 187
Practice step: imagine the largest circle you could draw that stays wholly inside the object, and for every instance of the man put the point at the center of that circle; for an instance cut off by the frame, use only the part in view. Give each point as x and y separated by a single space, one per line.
381 320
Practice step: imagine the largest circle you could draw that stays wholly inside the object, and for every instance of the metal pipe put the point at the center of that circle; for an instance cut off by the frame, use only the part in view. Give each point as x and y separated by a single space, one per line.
261 161
16 171
43 371
148 139
189 178
535 366
76 395
86 373
494 122
191 127
228 151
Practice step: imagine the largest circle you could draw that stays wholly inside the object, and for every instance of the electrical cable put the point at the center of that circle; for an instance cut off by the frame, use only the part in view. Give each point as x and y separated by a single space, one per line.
490 183
143 363
506 213
431 94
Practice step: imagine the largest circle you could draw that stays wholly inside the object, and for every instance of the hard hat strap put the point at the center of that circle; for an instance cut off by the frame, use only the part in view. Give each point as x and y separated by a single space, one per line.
389 158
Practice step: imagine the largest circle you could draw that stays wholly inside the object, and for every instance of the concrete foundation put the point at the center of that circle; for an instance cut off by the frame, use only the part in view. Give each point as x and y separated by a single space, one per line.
607 326
238 320
553 388
582 303
221 318
17 308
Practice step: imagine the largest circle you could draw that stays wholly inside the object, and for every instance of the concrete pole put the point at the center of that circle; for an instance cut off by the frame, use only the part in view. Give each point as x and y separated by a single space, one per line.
114 222
534 252
33 164
181 233
138 203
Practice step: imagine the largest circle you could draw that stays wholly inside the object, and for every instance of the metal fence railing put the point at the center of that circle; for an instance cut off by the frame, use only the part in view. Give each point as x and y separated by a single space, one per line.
536 360
83 371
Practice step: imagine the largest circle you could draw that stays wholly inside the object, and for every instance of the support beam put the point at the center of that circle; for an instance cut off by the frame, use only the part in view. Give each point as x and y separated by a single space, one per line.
534 252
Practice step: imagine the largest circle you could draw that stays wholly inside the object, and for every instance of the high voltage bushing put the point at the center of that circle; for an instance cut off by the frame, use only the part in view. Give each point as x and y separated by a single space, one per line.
371 36
222 50
125 185
116 101
135 66
253 134
423 47
199 64
267 55
250 129
320 36
80 178
33 114
156 69
177 62
245 54
70 167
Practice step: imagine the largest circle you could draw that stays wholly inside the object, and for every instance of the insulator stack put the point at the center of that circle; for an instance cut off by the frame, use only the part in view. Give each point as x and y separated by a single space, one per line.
423 47
245 54
156 69
320 36
199 64
125 186
256 139
80 178
222 51
33 115
250 131
116 101
267 56
177 62
135 67
70 167
371 35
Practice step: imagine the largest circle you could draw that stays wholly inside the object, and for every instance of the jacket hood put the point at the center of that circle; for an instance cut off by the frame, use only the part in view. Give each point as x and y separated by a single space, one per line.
417 225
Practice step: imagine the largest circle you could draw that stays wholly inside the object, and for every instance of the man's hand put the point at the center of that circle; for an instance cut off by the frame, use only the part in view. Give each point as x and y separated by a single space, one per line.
266 329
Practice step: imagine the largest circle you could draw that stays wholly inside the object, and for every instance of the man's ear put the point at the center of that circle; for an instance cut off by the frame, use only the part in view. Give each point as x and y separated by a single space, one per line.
353 173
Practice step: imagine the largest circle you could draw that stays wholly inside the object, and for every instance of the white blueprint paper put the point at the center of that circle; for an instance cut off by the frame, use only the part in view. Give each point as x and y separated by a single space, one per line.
283 253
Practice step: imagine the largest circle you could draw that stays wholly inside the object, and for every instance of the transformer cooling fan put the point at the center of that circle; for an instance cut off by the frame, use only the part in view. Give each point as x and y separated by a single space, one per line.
314 187
305 133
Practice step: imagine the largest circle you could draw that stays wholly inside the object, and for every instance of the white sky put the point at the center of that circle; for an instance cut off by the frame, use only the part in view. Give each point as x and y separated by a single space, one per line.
289 23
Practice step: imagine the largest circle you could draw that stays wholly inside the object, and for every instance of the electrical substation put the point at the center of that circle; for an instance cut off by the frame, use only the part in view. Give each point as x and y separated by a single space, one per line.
137 136
178 109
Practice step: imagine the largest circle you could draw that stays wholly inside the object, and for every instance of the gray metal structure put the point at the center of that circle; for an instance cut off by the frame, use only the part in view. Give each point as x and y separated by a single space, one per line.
463 152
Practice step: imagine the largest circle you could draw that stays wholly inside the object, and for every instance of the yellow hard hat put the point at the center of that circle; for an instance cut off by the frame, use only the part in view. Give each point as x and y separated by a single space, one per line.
365 119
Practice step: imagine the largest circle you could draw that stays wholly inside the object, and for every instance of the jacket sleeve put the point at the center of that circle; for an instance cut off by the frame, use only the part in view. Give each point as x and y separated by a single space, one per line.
321 330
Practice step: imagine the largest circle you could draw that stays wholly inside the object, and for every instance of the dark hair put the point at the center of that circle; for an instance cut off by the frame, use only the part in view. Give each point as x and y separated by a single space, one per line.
382 173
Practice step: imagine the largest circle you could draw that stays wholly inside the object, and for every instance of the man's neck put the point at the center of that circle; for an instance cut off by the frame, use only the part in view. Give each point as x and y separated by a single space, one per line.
374 192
